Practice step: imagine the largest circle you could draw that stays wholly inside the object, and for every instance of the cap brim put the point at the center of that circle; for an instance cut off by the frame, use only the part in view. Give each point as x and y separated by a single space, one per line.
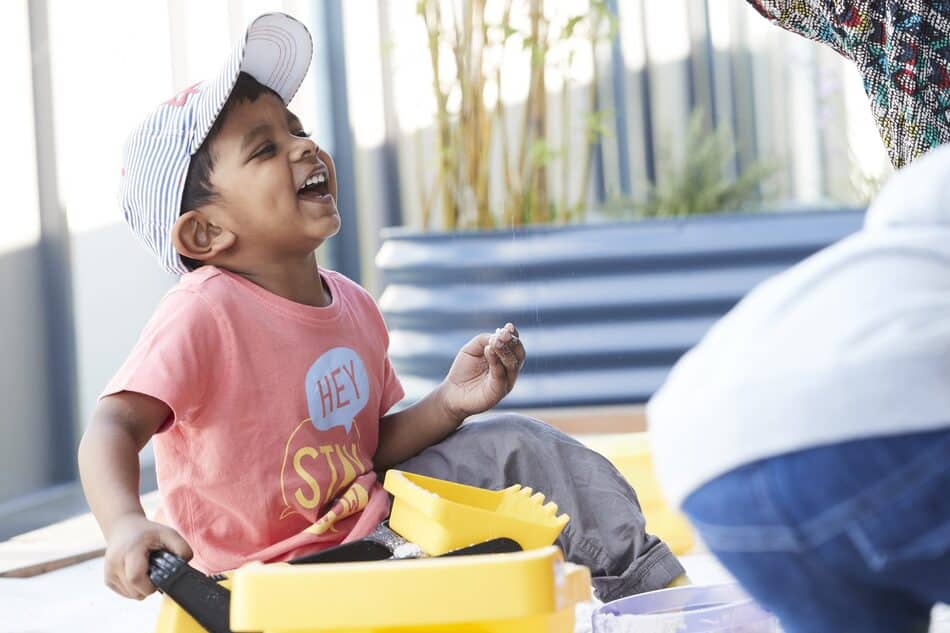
276 50
277 53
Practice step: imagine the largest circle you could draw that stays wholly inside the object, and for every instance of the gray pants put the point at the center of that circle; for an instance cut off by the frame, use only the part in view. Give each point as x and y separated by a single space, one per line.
606 531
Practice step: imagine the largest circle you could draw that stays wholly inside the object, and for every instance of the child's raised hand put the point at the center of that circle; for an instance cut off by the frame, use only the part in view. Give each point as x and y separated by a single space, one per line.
484 372
131 539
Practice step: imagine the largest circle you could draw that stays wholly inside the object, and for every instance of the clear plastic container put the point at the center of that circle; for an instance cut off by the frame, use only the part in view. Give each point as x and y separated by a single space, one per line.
711 609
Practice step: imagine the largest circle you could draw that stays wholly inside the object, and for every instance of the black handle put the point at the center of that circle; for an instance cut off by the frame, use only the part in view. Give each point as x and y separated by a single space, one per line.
197 594
501 545
361 551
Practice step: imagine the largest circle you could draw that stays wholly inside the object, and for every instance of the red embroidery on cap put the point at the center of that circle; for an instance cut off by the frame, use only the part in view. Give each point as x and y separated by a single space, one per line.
182 97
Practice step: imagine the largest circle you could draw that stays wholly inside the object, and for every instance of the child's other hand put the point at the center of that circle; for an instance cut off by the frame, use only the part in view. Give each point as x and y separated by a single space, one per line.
484 372
131 539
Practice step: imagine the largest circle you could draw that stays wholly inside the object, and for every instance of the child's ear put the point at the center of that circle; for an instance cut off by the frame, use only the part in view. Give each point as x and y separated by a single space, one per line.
195 236
331 170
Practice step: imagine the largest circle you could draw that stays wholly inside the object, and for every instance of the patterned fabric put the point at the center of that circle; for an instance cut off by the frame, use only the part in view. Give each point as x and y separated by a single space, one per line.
902 50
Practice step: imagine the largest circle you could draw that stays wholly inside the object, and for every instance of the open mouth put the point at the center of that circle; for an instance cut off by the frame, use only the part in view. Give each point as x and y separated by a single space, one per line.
317 185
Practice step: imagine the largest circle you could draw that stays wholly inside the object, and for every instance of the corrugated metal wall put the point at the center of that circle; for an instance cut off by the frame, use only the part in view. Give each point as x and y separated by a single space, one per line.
604 310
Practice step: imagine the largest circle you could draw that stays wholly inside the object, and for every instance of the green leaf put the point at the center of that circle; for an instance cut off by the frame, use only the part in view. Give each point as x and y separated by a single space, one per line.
568 30
540 153
699 184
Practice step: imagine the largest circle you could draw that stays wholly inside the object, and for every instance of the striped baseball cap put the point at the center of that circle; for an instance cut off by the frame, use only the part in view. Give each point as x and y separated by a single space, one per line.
276 50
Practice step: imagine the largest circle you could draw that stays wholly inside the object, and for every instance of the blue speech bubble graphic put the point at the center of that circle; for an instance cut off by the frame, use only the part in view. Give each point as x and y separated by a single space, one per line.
337 389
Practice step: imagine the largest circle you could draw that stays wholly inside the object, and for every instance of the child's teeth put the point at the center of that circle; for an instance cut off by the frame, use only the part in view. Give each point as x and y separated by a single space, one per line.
319 179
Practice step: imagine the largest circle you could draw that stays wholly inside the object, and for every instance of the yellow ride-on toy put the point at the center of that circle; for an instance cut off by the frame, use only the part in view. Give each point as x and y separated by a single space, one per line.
451 558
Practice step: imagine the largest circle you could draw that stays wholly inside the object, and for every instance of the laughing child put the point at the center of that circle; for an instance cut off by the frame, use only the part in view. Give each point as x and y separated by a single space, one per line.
263 379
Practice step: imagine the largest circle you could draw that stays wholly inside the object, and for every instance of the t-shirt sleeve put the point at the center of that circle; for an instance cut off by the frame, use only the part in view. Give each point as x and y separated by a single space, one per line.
819 20
176 356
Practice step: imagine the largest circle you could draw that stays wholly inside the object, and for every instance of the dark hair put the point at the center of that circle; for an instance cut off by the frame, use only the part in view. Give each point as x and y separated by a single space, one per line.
198 191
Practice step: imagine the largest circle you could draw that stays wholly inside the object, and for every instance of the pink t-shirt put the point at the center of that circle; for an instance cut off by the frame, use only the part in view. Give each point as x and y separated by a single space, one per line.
269 450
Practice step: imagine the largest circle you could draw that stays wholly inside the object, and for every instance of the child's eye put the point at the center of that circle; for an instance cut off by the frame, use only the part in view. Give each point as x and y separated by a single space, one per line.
265 151
301 133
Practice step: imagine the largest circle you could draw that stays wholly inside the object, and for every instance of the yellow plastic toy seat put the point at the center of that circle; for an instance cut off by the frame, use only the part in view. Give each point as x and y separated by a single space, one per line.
440 516
532 591
524 592
630 453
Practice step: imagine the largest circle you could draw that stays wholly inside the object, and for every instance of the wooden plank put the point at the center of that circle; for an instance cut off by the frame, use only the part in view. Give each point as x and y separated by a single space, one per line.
592 420
59 545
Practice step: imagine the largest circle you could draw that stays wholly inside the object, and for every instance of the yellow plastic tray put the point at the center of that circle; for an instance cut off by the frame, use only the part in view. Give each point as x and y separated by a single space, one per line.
440 516
527 592
630 453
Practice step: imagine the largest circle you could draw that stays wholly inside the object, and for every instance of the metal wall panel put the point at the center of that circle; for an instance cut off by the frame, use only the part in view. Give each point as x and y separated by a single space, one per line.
604 310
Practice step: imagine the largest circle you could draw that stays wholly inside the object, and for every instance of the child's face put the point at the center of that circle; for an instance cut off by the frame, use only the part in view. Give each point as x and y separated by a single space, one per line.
262 160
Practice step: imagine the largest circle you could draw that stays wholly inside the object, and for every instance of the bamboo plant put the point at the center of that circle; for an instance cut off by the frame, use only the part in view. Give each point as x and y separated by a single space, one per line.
467 128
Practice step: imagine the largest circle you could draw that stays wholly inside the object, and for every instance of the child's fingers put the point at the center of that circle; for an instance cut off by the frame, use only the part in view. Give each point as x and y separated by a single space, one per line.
507 344
115 574
517 347
496 367
173 541
520 354
509 333
508 362
476 345
115 582
136 574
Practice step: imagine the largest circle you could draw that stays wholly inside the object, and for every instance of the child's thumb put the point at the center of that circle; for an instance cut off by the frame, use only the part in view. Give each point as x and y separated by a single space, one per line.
173 542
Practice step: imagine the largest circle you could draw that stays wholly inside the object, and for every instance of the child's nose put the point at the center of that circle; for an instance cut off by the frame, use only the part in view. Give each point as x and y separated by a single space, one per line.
304 148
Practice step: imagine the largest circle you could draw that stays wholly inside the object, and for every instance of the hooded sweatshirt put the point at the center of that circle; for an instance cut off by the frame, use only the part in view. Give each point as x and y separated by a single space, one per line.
853 342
